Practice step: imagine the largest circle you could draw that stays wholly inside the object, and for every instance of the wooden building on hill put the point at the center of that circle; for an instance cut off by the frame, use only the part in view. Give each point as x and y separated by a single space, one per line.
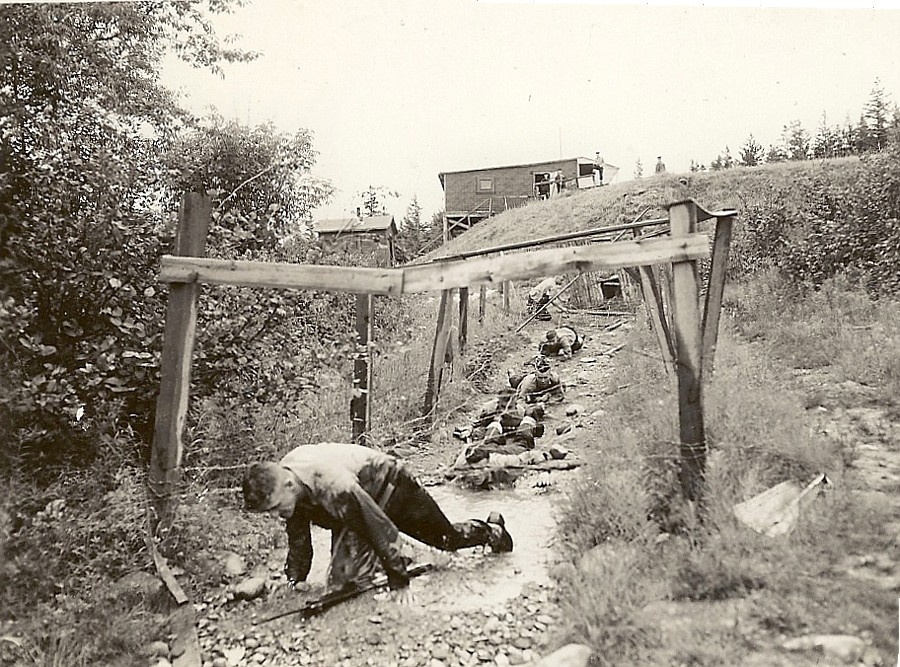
375 234
472 195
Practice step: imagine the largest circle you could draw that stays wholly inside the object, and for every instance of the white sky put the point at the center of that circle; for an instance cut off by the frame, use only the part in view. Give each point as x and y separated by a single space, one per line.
396 91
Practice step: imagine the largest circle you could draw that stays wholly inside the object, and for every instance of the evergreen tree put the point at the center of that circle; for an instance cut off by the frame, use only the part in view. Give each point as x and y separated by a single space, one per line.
752 153
876 115
776 153
723 161
796 141
863 139
638 170
847 139
894 129
827 140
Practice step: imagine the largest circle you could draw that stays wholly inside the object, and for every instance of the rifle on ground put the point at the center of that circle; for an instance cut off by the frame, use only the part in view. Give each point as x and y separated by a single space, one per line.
329 600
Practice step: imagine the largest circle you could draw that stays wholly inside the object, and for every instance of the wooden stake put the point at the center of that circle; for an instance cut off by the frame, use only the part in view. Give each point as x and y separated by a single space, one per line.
360 405
439 351
463 319
653 304
686 325
175 366
714 291
506 287
482 297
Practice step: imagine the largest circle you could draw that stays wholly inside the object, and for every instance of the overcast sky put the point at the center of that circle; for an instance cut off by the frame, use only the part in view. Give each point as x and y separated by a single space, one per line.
396 91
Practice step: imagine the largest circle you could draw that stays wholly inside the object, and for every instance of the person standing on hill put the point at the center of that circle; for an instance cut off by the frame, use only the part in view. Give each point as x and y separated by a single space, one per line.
660 165
598 169
366 498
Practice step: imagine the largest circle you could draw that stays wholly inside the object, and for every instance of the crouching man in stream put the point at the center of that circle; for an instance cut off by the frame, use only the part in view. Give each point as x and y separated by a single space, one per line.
366 498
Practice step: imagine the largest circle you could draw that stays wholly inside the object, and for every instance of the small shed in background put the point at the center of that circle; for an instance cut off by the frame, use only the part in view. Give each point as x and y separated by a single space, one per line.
375 234
473 195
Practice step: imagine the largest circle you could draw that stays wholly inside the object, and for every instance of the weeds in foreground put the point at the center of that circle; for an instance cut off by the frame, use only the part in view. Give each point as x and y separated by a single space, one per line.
758 434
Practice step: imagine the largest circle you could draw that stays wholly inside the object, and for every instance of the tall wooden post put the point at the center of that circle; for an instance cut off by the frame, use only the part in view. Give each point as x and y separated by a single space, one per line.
714 292
360 405
482 297
175 365
463 319
506 296
439 351
686 328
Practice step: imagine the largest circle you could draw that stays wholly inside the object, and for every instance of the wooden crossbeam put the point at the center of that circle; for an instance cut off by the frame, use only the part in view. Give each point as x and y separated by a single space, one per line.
356 280
552 261
438 276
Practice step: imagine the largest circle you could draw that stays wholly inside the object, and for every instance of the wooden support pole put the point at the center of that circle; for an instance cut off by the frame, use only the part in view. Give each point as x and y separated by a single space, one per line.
686 326
714 292
463 319
653 304
175 366
482 298
439 351
506 296
360 405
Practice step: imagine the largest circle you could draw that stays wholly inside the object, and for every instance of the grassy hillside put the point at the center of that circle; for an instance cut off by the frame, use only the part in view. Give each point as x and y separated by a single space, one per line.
744 189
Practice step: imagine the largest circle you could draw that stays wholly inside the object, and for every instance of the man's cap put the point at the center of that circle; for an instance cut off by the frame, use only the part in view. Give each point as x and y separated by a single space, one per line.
259 484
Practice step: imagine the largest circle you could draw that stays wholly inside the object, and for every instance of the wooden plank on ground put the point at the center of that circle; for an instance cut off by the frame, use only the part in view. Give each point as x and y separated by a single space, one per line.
175 366
552 261
358 280
714 292
686 327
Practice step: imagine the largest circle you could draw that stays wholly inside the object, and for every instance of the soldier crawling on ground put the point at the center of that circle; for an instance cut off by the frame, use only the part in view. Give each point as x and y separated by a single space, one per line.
505 425
366 498
562 342
540 385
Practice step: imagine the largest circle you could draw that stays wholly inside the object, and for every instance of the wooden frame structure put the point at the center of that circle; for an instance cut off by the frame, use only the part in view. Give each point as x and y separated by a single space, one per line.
688 345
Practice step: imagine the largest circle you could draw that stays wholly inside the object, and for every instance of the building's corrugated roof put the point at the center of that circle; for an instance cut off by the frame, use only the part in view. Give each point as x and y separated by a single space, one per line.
511 166
374 223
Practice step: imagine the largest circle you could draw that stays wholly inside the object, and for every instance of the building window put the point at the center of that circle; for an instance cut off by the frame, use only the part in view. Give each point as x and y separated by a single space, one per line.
484 186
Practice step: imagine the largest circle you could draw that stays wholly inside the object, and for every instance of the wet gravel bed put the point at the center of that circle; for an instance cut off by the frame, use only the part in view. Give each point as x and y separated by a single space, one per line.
377 630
